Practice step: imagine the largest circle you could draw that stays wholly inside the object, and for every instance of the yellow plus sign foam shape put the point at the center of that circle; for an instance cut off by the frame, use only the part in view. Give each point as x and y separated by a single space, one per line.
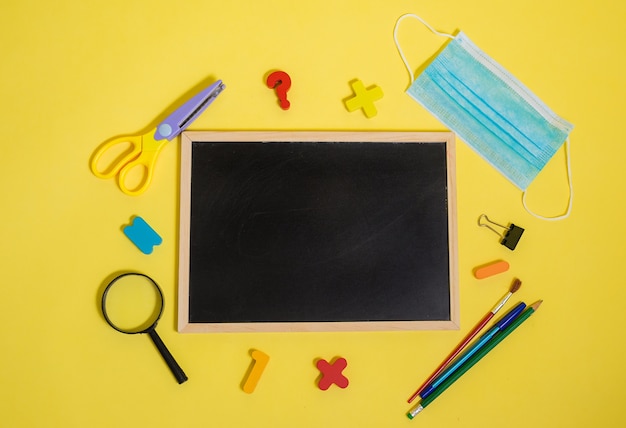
364 98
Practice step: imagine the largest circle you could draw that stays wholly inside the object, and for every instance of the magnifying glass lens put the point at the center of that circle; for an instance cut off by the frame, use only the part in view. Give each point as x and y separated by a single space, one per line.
133 304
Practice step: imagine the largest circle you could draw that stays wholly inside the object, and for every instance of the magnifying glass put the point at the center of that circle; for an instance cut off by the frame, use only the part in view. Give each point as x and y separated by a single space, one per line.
132 303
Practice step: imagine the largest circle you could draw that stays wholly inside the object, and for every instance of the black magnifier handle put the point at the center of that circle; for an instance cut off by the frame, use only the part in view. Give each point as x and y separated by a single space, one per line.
178 373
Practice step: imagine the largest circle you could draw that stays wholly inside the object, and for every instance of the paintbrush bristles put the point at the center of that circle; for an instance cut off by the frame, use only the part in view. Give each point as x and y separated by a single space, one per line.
515 286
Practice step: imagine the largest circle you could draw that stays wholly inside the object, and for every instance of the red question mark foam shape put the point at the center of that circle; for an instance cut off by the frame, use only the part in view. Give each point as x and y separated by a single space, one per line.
280 82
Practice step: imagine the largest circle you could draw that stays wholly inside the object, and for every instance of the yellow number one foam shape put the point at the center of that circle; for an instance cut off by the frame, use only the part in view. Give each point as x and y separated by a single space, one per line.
260 361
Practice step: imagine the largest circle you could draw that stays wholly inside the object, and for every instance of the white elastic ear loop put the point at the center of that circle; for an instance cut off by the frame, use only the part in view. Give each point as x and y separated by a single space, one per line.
395 38
571 191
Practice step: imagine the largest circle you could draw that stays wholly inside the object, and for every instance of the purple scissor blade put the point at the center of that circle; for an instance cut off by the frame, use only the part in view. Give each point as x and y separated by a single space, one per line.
180 119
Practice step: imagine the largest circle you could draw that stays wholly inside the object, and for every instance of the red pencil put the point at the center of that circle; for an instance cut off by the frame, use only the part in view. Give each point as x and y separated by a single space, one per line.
514 287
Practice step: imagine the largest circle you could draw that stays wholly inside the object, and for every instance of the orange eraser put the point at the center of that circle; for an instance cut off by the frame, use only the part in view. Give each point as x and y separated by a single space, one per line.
491 269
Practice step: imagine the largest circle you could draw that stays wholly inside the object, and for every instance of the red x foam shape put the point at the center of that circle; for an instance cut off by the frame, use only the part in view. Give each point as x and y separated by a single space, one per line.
331 373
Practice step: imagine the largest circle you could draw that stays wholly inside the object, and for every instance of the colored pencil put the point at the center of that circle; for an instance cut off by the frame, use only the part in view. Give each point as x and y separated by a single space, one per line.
477 328
480 343
474 359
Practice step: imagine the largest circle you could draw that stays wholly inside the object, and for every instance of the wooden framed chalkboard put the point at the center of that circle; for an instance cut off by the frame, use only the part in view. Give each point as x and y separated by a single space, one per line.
317 231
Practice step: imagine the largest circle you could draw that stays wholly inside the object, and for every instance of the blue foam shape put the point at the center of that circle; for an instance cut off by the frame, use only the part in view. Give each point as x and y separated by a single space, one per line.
142 235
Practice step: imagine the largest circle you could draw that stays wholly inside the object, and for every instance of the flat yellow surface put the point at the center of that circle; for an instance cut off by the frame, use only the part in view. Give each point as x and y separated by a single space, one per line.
75 73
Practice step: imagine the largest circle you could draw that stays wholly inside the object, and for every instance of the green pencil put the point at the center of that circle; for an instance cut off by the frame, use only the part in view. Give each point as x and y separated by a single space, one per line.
474 359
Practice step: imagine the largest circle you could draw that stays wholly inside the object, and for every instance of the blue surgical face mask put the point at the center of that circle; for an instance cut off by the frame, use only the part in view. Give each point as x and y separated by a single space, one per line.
488 108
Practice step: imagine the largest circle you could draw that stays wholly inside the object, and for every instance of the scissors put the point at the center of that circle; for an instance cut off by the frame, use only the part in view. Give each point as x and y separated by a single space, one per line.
145 148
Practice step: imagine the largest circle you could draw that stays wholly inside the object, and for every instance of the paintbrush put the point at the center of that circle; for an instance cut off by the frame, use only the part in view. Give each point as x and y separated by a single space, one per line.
474 359
514 287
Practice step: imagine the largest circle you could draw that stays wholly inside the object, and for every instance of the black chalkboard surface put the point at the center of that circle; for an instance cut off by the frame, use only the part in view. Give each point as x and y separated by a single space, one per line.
310 231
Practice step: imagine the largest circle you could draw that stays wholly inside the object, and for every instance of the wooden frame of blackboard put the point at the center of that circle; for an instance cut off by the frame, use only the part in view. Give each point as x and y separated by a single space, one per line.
445 140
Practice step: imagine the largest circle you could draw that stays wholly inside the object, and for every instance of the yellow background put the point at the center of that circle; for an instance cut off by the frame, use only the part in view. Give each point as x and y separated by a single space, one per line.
75 73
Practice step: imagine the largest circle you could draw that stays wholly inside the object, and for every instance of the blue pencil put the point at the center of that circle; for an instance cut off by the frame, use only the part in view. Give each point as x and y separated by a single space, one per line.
481 342
475 358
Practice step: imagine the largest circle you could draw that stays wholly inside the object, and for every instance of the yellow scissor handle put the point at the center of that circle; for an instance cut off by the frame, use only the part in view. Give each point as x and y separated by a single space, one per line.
115 148
142 165
129 162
